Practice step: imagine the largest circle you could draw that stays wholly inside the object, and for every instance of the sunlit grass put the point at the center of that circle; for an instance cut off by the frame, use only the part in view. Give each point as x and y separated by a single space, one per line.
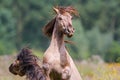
102 71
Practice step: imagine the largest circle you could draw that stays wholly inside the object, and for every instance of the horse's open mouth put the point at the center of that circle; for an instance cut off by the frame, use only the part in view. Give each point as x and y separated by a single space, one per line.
69 32
70 35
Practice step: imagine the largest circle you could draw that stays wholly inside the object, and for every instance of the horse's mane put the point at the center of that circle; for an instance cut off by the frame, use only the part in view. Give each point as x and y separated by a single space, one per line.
27 56
48 28
28 65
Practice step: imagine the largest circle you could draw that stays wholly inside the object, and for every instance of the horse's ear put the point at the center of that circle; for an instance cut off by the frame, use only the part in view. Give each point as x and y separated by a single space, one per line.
48 28
56 10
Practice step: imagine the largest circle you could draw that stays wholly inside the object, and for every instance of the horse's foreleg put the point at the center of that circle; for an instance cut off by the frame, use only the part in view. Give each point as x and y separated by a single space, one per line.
46 68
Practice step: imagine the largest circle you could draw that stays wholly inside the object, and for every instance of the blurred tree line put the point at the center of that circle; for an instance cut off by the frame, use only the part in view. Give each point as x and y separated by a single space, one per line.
97 28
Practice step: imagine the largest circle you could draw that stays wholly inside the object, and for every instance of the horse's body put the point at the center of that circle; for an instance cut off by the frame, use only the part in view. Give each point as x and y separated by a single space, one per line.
57 62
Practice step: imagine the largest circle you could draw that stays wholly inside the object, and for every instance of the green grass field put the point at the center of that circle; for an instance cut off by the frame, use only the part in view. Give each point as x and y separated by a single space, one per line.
88 70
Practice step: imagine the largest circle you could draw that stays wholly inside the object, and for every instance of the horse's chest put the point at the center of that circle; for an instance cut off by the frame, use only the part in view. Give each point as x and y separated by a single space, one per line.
53 59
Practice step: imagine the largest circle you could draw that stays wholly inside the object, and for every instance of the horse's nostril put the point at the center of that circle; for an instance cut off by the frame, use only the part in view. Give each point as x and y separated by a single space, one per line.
67 31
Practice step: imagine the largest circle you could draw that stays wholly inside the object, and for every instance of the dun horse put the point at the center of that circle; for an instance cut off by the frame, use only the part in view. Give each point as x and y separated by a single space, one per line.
57 62
26 64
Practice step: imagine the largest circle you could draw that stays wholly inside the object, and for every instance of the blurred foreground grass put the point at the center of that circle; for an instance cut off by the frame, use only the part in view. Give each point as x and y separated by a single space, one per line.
103 71
89 70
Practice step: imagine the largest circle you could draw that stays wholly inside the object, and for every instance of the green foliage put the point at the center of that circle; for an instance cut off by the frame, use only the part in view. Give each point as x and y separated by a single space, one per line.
6 47
7 31
80 48
113 53
21 23
98 42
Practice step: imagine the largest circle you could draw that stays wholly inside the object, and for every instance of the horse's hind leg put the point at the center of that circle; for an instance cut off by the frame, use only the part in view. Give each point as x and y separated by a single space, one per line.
66 73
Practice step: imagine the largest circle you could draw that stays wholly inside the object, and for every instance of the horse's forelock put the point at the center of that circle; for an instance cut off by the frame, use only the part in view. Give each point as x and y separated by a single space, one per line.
71 10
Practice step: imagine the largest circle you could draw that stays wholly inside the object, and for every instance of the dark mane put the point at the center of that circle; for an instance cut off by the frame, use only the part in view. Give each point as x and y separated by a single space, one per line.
27 57
48 28
27 64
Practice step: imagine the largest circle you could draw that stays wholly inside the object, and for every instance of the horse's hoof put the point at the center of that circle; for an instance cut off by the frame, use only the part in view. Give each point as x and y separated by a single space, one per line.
66 74
45 67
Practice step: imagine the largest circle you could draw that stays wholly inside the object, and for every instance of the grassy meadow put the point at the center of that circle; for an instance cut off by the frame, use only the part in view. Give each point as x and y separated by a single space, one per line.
89 69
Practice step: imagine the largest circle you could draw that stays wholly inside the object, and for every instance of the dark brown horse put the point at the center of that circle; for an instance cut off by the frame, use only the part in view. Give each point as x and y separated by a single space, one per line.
57 62
26 64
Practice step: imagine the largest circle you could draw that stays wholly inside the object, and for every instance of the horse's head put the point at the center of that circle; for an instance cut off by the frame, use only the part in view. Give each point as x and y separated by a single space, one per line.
23 61
63 21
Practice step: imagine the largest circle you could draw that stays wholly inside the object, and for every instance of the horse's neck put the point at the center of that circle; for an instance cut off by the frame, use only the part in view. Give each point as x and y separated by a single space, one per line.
57 46
57 41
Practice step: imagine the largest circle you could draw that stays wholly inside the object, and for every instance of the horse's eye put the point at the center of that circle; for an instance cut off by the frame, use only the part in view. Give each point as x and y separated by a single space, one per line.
59 18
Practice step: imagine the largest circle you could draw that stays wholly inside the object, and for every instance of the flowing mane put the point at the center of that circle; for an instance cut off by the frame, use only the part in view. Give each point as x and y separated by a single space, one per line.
27 64
48 28
68 9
